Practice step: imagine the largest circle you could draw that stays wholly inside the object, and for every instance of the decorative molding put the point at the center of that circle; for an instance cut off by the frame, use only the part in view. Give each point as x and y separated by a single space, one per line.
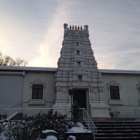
36 102
100 89
80 84
89 83
38 81
138 86
138 101
11 73
115 102
113 83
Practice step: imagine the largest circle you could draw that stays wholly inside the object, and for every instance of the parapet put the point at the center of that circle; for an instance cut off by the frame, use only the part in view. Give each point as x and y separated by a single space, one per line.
75 29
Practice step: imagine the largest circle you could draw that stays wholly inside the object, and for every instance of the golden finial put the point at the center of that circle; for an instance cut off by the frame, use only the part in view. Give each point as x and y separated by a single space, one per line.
73 27
78 28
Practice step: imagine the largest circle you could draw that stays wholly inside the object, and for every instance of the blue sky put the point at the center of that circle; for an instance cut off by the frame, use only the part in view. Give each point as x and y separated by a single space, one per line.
33 30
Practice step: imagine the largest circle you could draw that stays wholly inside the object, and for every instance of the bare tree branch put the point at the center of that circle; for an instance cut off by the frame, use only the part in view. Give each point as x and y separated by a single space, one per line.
8 61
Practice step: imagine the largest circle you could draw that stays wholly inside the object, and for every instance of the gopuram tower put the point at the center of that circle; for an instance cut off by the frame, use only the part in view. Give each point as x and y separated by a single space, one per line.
78 74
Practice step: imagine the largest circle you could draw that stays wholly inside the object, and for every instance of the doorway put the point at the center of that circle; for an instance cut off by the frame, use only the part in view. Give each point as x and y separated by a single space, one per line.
80 97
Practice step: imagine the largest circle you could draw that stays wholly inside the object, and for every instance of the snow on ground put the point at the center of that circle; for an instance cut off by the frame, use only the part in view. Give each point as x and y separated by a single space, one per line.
47 131
80 128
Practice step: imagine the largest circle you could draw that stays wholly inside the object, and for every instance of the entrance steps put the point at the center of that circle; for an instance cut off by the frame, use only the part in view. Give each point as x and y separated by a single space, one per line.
117 129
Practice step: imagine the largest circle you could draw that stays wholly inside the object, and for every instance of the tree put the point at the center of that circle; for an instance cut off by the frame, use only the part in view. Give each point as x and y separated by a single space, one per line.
6 60
21 62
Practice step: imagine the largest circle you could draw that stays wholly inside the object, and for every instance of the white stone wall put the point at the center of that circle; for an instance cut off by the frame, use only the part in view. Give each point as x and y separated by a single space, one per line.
129 93
45 78
15 87
11 86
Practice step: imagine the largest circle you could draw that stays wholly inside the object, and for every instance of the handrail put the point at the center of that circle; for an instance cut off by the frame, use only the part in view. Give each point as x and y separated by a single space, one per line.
27 108
89 122
9 117
15 105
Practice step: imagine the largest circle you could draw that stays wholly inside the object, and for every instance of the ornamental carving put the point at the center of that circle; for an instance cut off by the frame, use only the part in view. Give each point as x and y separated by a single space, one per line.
38 81
113 83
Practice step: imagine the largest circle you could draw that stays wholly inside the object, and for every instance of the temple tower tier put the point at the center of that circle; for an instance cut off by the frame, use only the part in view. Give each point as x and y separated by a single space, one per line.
78 73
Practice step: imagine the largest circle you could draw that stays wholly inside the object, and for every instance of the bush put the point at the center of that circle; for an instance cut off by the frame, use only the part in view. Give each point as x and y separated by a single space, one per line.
31 127
76 112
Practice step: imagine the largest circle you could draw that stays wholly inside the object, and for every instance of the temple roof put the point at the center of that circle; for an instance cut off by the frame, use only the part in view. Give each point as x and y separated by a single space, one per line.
52 69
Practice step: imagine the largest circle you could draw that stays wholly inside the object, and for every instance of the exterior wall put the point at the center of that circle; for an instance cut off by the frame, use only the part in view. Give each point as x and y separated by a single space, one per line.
16 87
129 94
45 78
11 86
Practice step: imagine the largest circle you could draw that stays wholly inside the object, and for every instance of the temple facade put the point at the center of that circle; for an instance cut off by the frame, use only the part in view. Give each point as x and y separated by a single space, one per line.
78 73
103 93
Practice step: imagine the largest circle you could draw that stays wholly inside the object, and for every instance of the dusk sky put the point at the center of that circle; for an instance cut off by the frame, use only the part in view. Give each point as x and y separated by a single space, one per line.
33 30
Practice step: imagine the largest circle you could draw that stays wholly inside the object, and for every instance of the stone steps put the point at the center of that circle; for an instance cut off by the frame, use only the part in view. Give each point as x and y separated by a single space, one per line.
117 130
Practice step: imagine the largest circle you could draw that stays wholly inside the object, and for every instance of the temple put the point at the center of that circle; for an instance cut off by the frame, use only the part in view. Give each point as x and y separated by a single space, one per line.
77 71
103 93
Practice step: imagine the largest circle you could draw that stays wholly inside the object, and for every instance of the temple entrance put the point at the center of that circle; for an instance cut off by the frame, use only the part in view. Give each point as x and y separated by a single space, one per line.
80 97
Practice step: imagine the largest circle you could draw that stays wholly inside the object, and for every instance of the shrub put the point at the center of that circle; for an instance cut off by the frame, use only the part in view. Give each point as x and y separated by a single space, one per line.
76 112
31 127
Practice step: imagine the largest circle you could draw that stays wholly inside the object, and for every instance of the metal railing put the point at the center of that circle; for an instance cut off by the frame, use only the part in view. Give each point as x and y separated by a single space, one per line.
18 105
89 122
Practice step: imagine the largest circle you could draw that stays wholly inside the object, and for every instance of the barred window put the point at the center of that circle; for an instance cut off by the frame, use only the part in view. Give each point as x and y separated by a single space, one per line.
114 92
37 91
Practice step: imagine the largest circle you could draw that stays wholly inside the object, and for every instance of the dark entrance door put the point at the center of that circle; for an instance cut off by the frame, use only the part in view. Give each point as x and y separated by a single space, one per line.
80 97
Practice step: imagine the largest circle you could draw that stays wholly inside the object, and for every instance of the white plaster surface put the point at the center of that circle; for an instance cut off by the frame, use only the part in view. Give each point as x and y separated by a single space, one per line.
10 90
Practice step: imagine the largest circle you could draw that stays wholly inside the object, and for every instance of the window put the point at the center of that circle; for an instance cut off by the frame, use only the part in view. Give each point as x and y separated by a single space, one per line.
77 43
78 64
79 78
114 92
78 52
37 92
